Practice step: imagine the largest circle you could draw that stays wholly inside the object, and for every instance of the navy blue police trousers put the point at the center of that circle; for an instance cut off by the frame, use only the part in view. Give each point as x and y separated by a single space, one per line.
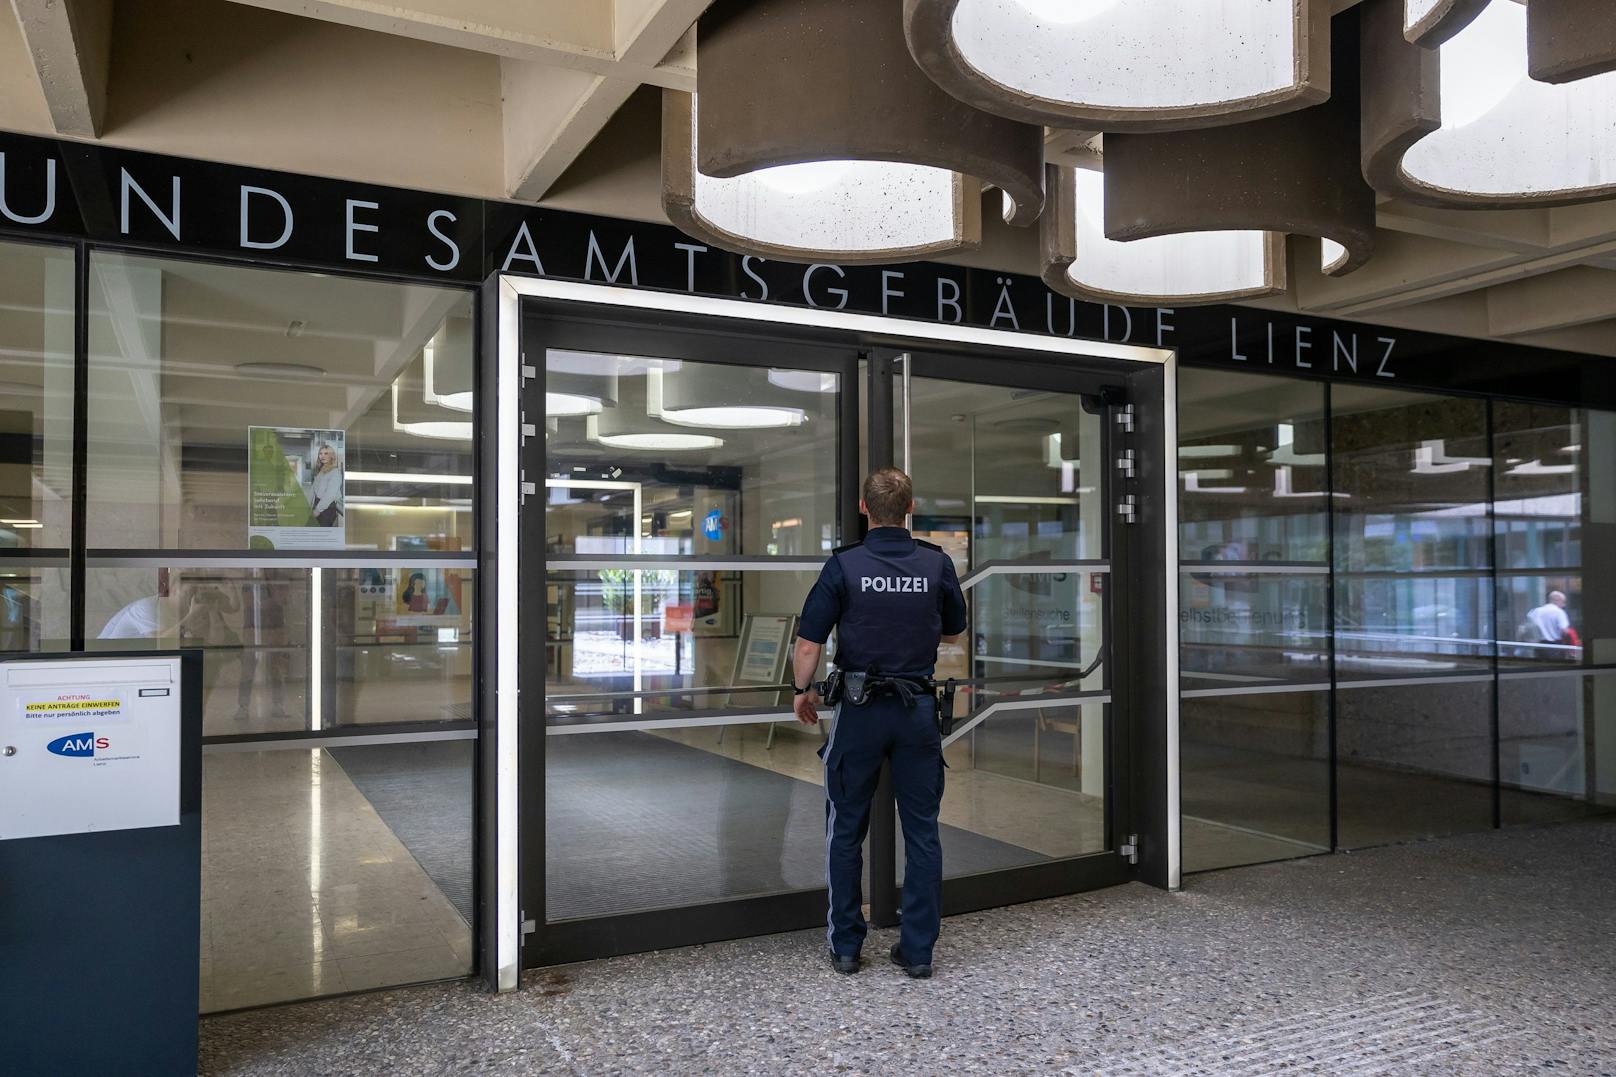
861 739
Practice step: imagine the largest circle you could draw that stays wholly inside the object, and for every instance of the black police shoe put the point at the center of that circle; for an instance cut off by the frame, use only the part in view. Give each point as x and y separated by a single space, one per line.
844 963
916 972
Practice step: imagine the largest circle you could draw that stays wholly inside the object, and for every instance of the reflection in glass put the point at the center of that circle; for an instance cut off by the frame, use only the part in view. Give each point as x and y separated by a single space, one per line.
1251 460
1252 627
36 396
1555 528
34 609
234 407
1413 535
753 470
1003 469
395 640
1255 777
687 641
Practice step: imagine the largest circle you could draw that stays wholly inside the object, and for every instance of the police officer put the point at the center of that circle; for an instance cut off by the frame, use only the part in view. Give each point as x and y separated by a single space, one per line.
892 598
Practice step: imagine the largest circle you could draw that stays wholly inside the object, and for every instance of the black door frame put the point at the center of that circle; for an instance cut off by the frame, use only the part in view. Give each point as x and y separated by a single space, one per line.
545 323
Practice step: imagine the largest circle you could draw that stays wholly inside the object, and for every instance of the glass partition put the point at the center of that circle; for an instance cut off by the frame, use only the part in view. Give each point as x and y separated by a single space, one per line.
688 506
280 473
36 445
1255 649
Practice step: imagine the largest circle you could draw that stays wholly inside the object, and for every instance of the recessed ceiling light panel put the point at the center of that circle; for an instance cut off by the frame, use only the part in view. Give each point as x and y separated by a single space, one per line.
1125 65
781 154
1466 126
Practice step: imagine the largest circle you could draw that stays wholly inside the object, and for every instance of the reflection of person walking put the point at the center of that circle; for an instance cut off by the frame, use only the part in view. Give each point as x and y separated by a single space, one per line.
891 599
325 496
1550 620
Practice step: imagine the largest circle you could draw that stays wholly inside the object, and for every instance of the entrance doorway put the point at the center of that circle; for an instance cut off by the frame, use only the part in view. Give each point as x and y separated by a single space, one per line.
695 478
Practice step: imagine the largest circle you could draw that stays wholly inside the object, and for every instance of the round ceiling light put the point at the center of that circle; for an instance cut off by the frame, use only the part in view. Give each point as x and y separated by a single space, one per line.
781 154
803 381
1201 215
1466 126
720 398
1125 65
447 364
630 425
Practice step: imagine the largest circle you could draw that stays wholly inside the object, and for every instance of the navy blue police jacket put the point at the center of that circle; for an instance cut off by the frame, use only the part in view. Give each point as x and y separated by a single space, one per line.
891 599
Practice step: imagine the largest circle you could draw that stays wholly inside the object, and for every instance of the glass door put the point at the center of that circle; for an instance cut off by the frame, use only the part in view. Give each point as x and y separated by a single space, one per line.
1013 473
685 485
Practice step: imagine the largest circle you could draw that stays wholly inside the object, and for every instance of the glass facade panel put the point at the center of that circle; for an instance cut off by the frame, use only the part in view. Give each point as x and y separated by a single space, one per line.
36 396
1251 460
1556 745
1238 627
1413 761
235 408
1555 529
1413 533
658 790
384 656
1255 777
998 472
326 870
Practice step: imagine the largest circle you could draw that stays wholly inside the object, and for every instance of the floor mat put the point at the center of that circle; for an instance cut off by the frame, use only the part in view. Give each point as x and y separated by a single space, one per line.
636 821
423 792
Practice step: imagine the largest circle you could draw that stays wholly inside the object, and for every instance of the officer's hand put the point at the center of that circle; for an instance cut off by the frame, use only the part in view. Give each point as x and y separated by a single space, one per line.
805 706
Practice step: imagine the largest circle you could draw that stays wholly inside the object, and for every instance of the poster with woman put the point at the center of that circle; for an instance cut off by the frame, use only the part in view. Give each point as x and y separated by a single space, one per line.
295 488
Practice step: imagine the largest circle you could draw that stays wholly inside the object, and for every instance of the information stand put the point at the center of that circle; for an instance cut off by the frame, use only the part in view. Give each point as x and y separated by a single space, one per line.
100 862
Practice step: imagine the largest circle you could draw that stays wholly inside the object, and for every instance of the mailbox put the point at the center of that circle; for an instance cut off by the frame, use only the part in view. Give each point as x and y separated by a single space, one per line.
100 861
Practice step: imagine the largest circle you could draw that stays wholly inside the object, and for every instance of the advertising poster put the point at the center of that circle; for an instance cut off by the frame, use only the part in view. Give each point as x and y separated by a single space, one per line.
294 488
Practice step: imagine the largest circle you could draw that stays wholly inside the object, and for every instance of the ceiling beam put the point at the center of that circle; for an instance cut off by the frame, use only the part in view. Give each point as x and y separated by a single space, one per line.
576 35
70 42
1579 295
1413 268
550 116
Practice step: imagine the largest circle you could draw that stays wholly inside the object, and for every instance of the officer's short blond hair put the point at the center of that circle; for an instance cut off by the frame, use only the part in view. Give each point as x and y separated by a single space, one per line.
887 495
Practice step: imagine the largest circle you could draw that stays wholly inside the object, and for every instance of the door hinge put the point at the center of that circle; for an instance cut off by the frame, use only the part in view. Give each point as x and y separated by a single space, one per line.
1129 849
529 373
1125 418
1125 463
1127 508
529 927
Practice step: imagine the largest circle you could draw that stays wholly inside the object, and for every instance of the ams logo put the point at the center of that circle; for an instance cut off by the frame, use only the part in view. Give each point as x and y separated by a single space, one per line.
78 745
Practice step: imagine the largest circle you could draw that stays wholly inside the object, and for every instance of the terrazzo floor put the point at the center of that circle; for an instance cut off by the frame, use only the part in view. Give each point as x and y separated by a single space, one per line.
1487 954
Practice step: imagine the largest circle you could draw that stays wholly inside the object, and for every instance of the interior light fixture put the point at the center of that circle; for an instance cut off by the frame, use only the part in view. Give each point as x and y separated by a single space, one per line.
447 361
631 426
780 154
281 370
720 398
1125 65
1431 22
413 415
581 383
1465 125
1207 452
803 381
1182 268
407 478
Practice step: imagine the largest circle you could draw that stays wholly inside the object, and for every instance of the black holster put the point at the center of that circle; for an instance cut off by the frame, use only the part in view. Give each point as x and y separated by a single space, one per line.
945 707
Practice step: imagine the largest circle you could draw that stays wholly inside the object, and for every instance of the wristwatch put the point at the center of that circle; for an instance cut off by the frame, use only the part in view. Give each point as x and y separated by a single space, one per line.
802 691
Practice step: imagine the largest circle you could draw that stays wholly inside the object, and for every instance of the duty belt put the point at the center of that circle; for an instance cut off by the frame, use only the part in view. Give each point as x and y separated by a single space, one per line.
859 688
